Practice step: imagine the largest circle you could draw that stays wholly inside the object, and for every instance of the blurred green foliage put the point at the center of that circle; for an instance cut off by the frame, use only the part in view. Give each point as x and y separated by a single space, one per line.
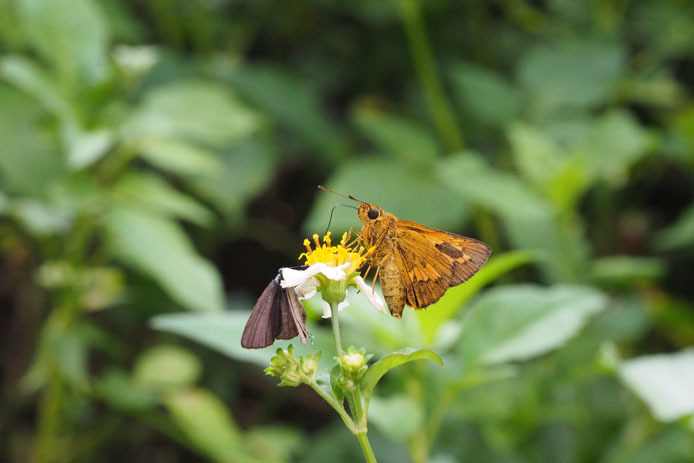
161 157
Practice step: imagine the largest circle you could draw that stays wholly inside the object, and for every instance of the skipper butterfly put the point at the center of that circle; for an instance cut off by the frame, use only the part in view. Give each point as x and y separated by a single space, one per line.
416 264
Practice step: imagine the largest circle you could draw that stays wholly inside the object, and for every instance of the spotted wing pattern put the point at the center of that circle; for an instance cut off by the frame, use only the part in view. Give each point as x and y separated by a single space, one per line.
431 261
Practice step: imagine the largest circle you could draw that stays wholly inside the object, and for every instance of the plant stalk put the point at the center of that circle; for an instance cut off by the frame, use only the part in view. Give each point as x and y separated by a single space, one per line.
425 65
366 447
336 328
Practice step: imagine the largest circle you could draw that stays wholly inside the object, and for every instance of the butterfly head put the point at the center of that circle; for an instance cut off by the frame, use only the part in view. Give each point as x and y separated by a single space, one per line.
370 213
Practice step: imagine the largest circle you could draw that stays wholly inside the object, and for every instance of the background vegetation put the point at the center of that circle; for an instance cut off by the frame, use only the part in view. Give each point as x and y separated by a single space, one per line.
158 163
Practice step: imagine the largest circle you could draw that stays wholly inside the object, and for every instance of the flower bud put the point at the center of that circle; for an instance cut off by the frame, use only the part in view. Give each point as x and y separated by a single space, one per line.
291 377
354 363
309 366
282 363
346 384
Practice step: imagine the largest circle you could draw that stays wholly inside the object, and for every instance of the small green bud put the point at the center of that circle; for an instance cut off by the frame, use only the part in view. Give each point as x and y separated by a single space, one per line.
309 366
354 363
282 363
346 384
291 377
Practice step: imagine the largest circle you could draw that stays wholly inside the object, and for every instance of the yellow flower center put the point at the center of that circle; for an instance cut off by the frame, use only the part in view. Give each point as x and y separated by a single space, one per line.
334 256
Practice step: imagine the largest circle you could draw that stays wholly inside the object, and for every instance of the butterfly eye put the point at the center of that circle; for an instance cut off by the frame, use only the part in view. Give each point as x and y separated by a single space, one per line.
373 213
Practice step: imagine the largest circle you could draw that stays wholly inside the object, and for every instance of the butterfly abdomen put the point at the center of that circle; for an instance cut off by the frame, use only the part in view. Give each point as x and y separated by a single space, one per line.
394 292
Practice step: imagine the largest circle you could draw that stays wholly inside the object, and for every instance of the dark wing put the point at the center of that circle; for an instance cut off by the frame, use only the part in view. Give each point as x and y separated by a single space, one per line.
293 316
434 260
265 322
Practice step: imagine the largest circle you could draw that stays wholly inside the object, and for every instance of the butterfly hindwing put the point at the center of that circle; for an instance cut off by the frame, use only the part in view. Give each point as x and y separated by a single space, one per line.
293 317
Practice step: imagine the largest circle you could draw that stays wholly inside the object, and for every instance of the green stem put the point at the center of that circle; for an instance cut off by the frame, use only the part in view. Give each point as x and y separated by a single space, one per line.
337 406
354 400
52 404
425 65
49 421
336 328
366 447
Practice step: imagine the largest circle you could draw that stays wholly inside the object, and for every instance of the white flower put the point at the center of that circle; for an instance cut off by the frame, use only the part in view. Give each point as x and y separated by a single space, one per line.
328 265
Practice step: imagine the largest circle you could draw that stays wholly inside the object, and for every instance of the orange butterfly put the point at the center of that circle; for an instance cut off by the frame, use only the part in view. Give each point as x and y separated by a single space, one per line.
416 264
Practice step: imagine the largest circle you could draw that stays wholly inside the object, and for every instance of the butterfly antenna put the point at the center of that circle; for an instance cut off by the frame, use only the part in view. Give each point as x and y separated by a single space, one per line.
321 187
331 215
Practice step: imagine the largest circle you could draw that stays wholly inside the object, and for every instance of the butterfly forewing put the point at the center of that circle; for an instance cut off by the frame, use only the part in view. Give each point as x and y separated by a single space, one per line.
431 261
278 314
265 321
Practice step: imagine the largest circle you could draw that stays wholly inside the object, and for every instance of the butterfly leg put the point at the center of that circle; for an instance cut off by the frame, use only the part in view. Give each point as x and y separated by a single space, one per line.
368 269
373 283
356 238
378 268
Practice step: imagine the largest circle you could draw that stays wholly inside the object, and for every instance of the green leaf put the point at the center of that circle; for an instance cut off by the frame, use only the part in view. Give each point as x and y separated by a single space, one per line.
665 382
485 94
205 421
405 192
678 235
245 170
672 444
72 34
536 155
667 29
683 130
120 392
625 270
83 147
528 218
197 111
29 162
398 416
376 371
619 134
397 137
159 248
40 218
151 192
11 33
86 148
222 332
523 321
178 156
167 367
275 443
293 103
37 82
436 315
571 75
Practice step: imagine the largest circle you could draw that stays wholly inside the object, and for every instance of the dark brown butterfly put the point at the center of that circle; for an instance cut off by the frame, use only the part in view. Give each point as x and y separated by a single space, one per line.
278 314
416 264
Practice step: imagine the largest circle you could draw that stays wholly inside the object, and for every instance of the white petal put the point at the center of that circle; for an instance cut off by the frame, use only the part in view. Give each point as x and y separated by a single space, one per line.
293 277
303 281
307 289
327 313
334 273
371 296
